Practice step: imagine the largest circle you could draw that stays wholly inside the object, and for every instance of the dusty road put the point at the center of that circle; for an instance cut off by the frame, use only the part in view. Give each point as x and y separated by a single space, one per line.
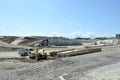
109 72
12 54
72 68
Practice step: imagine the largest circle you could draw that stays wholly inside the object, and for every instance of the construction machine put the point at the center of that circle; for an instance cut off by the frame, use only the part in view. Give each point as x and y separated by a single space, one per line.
38 53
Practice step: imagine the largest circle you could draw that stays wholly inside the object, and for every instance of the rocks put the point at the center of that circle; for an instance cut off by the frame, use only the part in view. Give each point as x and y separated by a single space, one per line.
75 67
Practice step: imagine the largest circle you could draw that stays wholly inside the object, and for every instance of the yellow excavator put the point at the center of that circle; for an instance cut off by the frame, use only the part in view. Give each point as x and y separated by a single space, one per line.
38 53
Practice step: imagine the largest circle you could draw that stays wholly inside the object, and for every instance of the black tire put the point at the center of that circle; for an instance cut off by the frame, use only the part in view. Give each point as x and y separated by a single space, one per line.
21 54
30 57
44 57
25 54
38 57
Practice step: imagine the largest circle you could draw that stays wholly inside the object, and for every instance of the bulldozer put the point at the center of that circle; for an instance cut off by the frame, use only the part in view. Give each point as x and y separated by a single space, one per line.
38 53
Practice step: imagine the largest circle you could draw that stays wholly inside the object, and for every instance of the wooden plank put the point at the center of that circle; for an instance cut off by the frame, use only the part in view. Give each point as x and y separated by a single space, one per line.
54 53
79 52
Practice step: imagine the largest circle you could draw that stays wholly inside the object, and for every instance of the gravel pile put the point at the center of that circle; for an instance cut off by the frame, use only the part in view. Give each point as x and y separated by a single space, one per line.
64 42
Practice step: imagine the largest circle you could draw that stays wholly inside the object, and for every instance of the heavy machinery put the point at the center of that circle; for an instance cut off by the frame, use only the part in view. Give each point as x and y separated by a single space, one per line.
38 53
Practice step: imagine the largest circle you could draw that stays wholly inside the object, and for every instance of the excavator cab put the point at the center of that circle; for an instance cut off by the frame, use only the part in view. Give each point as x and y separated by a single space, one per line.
38 53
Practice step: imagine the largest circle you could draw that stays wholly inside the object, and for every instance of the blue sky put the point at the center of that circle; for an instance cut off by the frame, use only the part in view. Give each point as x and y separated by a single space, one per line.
69 18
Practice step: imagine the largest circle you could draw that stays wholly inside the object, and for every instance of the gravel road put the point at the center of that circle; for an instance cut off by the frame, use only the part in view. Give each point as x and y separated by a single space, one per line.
71 68
11 54
109 72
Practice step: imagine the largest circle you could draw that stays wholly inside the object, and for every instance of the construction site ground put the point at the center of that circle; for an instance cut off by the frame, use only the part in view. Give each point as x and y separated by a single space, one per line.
96 66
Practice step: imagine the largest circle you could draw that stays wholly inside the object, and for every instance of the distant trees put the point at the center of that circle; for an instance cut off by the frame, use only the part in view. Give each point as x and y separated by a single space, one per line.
97 38
103 38
79 38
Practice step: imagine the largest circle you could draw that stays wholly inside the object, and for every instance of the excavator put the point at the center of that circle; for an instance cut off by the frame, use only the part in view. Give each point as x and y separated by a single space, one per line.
38 53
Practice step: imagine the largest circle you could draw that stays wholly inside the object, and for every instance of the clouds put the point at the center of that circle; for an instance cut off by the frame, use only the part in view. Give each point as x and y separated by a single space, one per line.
91 34
84 34
78 34
53 34
81 34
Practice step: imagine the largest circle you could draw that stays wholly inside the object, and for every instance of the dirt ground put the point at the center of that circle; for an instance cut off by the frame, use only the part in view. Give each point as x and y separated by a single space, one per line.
15 67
